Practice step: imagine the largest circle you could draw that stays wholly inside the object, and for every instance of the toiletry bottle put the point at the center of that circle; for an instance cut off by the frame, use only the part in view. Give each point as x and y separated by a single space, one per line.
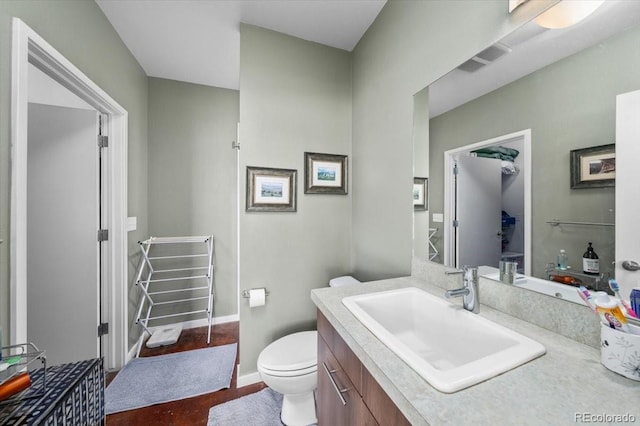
610 313
590 262
563 260
634 300
14 385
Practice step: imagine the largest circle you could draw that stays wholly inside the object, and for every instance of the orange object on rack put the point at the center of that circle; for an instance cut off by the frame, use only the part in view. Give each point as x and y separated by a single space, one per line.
14 385
567 279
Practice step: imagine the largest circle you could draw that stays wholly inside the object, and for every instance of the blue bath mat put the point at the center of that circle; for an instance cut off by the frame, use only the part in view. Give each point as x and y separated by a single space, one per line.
164 378
257 409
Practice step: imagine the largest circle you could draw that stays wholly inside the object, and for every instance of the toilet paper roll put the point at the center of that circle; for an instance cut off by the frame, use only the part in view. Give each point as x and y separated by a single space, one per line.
257 297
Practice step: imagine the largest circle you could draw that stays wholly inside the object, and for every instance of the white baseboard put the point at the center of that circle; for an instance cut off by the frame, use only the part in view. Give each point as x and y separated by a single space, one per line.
132 352
203 322
247 379
185 324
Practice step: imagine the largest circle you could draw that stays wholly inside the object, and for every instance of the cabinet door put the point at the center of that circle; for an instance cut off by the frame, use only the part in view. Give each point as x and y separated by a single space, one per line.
345 357
382 408
338 402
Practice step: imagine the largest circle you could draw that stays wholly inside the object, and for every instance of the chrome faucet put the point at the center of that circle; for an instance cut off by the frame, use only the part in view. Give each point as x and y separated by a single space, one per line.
470 291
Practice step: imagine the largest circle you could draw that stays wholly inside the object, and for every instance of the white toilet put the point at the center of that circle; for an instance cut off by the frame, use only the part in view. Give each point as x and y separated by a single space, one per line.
290 366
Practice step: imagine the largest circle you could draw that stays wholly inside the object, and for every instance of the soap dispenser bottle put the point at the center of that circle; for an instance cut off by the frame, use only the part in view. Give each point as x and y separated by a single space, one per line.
563 260
590 262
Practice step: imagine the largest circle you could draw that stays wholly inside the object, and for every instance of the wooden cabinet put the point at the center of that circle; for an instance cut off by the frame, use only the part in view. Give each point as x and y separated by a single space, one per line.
339 403
347 393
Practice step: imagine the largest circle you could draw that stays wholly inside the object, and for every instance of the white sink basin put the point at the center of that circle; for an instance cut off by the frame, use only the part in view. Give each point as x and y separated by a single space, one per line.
448 346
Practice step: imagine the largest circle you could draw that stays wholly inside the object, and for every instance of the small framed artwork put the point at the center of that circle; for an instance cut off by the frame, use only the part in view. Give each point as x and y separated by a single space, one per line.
271 190
593 167
420 193
325 173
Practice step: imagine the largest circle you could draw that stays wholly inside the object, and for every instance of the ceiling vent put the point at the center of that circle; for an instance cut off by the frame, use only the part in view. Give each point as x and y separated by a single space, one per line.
485 57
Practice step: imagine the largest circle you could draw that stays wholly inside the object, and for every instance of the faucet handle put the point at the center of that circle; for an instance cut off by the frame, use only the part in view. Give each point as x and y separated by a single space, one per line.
470 272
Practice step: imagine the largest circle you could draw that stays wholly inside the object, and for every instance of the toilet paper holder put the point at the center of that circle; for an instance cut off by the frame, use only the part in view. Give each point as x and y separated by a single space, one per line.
245 293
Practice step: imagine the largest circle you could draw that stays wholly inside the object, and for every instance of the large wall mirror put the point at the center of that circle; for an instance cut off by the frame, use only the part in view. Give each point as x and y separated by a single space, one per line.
528 104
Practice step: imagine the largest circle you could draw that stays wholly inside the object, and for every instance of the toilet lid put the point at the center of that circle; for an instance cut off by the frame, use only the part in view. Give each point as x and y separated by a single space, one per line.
296 351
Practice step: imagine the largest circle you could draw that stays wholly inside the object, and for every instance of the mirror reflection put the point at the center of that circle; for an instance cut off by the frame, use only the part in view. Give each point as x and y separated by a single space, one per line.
515 116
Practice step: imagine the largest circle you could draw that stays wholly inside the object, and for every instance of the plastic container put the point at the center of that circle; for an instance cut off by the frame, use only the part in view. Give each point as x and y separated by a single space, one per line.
563 260
610 313
620 351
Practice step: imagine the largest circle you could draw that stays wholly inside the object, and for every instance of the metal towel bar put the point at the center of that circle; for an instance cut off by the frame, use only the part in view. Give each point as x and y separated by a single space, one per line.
556 222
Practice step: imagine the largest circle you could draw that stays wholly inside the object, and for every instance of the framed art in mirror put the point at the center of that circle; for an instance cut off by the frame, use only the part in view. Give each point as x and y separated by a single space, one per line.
271 190
325 173
420 193
593 167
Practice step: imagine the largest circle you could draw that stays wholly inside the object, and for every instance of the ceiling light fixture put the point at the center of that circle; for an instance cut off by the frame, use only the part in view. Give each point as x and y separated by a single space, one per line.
567 13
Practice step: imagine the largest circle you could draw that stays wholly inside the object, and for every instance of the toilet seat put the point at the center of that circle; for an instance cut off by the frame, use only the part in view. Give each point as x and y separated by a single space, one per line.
289 373
292 355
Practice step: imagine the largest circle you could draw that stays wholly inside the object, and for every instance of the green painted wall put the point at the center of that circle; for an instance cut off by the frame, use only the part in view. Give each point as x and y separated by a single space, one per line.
410 45
421 169
80 31
295 97
567 105
192 173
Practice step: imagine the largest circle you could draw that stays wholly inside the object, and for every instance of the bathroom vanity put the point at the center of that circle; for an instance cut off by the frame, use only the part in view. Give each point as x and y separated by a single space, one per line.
345 388
566 385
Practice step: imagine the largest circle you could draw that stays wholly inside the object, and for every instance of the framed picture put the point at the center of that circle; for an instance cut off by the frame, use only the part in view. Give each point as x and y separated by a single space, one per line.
325 173
593 167
420 193
271 190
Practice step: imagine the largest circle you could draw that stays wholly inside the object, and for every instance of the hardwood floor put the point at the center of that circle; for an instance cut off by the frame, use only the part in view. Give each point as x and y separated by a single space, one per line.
191 411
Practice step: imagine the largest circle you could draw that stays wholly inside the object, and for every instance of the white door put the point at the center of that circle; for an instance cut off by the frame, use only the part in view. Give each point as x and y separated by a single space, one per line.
478 212
627 189
63 275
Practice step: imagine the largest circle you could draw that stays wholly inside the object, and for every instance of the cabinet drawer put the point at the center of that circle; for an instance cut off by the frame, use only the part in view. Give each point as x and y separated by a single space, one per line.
344 356
338 402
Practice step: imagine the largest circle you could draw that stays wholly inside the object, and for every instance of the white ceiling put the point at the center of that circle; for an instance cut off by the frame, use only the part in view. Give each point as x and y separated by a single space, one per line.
533 47
198 41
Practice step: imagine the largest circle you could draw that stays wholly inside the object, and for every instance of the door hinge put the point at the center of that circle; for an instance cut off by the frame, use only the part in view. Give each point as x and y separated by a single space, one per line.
103 328
455 169
455 223
103 235
103 141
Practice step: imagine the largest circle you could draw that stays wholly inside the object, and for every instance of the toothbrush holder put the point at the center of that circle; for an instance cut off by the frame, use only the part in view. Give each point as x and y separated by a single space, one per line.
508 272
620 351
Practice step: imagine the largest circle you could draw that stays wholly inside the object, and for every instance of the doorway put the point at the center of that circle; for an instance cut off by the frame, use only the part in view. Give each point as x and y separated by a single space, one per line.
28 48
63 215
487 219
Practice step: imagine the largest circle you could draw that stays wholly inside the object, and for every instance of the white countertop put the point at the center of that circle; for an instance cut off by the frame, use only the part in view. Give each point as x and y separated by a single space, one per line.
567 385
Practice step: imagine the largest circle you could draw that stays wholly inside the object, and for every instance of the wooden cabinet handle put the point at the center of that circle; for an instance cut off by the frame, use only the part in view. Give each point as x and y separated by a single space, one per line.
335 385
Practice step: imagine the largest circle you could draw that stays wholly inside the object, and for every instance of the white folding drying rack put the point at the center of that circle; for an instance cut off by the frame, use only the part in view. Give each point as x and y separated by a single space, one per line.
433 251
186 279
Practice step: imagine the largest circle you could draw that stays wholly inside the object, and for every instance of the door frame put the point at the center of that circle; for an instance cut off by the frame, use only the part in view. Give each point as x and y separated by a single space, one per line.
449 193
626 221
29 47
